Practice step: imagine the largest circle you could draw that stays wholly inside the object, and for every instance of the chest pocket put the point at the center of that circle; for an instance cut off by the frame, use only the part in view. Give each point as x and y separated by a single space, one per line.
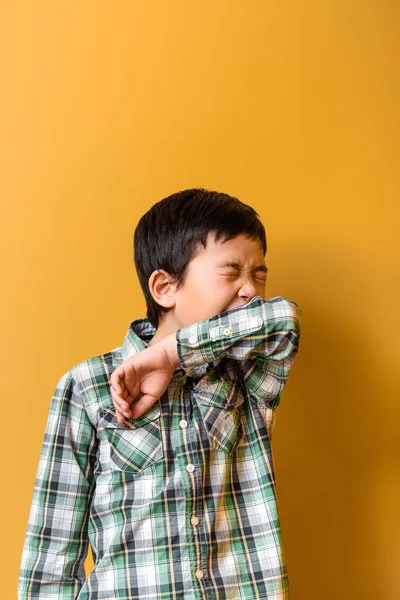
219 397
135 444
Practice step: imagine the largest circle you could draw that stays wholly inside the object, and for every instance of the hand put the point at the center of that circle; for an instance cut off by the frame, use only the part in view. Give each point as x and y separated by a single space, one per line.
147 372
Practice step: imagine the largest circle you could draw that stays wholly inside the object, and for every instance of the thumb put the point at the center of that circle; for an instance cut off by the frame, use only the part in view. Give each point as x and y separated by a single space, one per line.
144 402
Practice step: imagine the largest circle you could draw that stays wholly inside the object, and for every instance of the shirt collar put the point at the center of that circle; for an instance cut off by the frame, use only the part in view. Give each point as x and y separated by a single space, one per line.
139 334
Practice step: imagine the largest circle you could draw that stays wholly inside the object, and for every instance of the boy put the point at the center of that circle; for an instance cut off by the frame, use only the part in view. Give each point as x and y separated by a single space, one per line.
176 498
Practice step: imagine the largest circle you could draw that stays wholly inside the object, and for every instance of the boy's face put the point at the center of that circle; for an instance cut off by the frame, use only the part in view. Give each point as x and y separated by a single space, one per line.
212 286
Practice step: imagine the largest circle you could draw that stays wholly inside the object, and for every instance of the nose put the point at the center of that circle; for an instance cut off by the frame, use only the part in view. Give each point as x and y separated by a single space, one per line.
248 290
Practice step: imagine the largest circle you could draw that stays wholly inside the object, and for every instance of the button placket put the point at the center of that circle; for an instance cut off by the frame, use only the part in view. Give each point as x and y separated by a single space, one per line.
189 443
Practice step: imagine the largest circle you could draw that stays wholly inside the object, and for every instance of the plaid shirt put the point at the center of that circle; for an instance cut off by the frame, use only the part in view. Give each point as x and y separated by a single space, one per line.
181 502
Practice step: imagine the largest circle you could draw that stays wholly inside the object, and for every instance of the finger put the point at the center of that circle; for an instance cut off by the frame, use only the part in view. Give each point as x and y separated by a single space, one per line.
121 405
119 389
145 402
116 380
122 400
120 418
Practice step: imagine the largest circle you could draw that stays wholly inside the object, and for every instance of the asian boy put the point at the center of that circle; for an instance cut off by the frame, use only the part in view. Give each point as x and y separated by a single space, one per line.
158 453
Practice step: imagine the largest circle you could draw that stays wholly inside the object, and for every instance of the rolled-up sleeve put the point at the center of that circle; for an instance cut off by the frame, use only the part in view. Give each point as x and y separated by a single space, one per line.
262 336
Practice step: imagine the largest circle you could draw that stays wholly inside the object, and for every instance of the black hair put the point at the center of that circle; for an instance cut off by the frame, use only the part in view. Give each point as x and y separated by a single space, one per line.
168 235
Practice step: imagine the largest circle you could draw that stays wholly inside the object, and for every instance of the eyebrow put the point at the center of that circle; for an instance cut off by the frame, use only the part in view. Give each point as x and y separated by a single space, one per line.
236 265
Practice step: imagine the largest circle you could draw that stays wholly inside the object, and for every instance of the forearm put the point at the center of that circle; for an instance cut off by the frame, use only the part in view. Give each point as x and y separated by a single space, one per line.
267 328
170 346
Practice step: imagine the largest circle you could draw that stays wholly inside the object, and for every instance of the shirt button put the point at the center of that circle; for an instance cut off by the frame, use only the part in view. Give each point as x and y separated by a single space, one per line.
227 330
199 574
183 423
194 521
190 468
193 339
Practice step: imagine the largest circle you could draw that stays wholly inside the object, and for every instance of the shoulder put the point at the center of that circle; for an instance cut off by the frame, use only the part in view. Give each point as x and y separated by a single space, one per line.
90 380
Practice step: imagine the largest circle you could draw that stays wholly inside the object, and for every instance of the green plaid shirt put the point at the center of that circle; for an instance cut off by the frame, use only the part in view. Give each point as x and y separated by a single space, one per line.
181 502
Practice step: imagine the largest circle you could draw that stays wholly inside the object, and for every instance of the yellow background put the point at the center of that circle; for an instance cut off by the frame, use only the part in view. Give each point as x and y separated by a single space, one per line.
107 107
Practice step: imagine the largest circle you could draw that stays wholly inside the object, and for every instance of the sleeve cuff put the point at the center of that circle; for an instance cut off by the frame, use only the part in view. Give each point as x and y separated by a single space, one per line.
203 343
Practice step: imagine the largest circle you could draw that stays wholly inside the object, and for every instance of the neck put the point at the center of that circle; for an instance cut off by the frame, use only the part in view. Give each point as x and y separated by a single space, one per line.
166 327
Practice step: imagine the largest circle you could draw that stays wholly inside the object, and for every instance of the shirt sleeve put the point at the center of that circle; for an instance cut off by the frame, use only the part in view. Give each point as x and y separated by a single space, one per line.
262 336
56 541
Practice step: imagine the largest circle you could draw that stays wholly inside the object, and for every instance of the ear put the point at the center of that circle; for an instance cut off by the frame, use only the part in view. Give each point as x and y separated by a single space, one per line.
162 287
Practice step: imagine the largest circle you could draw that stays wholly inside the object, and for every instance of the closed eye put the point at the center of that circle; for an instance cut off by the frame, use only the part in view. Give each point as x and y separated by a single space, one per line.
236 275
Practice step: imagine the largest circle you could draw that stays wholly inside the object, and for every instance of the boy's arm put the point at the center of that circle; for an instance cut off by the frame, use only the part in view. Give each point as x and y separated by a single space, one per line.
262 335
56 541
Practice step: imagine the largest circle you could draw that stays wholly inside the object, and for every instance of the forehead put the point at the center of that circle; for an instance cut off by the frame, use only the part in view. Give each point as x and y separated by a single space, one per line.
240 250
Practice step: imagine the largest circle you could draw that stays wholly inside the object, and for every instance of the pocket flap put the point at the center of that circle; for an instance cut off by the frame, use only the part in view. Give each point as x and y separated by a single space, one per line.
108 417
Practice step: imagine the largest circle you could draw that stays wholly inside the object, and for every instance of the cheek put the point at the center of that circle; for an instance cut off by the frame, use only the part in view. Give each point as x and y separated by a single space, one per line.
210 296
224 290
